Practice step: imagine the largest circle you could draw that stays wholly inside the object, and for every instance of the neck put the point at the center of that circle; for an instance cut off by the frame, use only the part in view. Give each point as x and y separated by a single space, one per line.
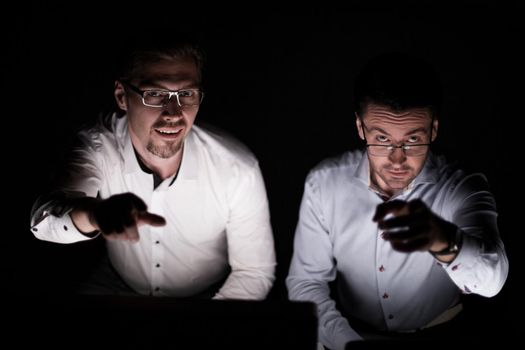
382 189
163 167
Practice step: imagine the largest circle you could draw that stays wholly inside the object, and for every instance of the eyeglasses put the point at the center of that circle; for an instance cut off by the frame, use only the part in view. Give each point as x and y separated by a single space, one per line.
409 150
160 98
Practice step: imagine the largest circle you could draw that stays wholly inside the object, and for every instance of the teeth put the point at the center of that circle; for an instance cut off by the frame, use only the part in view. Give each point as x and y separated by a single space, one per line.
167 131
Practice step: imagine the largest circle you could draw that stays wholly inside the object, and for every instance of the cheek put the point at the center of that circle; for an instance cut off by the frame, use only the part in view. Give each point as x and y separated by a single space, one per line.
190 116
189 119
377 163
140 124
416 163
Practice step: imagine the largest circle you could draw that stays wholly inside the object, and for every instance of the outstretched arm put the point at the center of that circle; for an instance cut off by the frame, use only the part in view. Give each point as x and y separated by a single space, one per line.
117 217
72 212
464 236
77 184
412 226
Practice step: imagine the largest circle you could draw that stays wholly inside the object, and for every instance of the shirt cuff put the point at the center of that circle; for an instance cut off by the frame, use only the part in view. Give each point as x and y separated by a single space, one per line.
58 230
469 249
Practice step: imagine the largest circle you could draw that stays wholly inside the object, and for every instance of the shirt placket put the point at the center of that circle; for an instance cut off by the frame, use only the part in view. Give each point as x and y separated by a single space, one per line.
158 251
384 276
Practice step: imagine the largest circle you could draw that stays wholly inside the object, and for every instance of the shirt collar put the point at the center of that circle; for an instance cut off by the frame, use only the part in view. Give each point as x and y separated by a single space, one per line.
429 173
362 172
189 167
131 164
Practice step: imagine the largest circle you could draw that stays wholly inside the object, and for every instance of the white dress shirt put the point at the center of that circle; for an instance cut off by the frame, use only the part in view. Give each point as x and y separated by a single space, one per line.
389 290
216 214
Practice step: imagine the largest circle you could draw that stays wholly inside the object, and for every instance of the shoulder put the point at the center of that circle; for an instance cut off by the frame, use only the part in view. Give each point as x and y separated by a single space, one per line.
342 166
106 134
222 147
458 179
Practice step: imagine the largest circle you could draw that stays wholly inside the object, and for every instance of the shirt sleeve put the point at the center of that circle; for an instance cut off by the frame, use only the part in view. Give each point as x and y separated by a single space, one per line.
481 266
80 177
313 267
251 252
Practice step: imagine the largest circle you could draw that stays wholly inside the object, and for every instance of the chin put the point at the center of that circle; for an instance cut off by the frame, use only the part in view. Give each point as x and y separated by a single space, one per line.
163 151
398 185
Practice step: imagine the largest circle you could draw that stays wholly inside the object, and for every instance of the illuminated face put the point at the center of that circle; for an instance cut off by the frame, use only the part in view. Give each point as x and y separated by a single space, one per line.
159 131
393 171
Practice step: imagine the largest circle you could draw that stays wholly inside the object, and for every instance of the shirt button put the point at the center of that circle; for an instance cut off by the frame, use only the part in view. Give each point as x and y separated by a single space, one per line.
385 296
390 316
381 268
65 227
158 265
157 242
34 229
157 289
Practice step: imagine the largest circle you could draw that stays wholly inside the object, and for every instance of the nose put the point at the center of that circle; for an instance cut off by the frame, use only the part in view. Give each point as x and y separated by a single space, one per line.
397 156
172 108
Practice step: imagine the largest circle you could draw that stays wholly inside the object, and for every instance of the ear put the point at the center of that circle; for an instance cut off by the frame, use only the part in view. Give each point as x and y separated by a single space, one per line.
435 126
120 96
359 127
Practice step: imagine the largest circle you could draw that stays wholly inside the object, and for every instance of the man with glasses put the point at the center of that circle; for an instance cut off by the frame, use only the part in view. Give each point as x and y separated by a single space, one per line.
183 208
390 236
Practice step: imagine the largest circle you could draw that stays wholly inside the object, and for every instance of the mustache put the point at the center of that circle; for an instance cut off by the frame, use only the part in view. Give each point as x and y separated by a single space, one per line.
402 168
162 124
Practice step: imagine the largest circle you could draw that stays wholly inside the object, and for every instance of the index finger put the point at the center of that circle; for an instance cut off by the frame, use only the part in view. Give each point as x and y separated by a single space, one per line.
148 218
388 207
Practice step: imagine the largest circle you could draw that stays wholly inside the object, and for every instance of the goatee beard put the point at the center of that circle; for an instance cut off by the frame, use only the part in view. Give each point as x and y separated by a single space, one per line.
166 151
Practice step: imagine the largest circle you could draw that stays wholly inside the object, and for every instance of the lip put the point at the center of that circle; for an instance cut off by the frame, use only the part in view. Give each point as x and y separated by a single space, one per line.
169 133
398 173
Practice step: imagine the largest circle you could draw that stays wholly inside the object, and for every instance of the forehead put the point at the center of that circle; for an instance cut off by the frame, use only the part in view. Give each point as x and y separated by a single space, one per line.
385 117
172 70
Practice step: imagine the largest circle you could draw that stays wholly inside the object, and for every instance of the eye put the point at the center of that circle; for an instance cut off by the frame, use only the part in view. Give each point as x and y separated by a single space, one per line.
155 93
186 93
413 139
381 138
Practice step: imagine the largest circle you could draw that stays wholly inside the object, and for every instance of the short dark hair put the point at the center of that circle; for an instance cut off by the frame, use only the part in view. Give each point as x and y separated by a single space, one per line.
400 82
144 50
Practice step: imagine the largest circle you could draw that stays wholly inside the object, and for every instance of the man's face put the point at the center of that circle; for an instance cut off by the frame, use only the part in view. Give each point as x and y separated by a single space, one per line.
159 131
381 126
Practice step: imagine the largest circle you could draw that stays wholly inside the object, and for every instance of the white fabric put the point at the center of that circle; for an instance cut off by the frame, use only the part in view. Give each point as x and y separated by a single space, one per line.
216 212
390 290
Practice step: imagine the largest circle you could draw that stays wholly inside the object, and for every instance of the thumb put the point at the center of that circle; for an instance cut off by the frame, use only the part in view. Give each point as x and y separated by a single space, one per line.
148 218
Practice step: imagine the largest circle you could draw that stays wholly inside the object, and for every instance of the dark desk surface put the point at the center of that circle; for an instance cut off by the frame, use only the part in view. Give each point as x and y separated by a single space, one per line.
150 322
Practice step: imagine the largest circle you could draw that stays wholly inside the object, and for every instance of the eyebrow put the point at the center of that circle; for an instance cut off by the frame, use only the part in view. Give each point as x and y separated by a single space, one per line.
377 129
160 79
416 130
410 132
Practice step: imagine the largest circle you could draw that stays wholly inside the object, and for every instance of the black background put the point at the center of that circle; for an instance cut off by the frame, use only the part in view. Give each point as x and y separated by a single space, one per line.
281 81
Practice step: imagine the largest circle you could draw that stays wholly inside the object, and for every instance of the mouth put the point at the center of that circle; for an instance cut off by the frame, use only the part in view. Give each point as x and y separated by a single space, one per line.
169 133
398 173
